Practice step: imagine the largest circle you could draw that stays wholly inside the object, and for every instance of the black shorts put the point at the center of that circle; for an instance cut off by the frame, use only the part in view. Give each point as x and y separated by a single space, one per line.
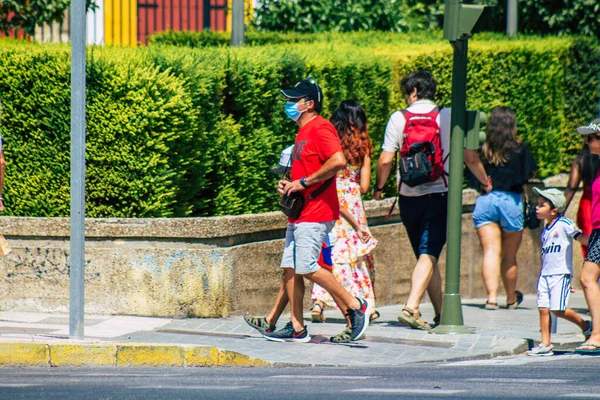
425 218
593 254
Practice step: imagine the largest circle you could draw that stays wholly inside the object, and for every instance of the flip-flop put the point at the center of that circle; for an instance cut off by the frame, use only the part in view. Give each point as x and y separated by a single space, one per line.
516 304
593 349
374 315
491 306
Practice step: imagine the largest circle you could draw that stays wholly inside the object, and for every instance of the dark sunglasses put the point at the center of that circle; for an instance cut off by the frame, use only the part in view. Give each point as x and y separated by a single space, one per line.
592 137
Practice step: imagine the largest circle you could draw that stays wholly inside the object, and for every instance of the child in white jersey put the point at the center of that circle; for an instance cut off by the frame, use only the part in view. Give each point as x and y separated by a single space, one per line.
554 283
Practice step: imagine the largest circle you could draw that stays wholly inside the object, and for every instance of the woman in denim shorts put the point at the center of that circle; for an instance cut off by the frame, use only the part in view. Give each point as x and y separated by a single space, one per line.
590 272
498 215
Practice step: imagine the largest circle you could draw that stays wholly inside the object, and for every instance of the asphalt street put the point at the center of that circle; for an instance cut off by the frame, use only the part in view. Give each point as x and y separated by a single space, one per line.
564 376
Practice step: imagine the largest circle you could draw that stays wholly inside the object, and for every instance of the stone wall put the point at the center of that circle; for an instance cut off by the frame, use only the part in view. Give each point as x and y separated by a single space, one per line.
206 266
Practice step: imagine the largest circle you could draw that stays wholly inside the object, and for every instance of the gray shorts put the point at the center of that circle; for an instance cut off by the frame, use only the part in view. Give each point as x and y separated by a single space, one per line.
303 244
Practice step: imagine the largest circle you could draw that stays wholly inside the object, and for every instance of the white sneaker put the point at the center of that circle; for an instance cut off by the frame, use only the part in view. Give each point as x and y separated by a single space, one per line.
541 350
588 332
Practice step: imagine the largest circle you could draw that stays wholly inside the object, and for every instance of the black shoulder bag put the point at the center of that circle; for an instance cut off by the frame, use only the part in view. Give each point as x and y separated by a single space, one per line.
291 205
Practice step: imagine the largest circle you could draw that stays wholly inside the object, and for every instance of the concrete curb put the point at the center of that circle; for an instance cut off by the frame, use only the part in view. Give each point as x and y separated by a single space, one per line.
120 355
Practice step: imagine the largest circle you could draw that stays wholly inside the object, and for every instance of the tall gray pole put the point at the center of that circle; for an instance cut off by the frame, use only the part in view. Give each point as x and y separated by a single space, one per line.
237 23
512 17
77 168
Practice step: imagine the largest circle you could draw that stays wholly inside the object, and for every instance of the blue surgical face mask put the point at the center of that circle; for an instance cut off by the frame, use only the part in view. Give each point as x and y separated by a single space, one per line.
291 109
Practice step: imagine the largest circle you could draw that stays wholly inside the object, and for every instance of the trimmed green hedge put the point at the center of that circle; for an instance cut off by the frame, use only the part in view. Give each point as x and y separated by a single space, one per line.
252 38
218 38
178 131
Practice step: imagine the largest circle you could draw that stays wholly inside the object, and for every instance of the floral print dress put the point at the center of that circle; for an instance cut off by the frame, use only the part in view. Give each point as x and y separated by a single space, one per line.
352 261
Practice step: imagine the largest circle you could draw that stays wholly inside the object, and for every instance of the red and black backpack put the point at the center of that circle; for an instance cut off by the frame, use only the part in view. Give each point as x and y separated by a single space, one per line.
421 155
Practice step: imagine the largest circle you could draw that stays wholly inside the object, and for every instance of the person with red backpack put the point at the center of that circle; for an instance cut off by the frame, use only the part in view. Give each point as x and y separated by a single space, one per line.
421 134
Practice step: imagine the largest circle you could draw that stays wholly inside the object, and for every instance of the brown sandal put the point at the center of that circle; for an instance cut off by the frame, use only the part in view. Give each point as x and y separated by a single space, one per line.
317 314
491 306
374 315
413 319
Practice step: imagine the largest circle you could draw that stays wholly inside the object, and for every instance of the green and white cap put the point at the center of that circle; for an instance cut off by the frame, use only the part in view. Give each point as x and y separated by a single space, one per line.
554 196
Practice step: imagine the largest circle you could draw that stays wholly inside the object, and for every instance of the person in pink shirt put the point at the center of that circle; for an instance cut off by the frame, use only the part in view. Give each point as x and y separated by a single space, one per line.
590 273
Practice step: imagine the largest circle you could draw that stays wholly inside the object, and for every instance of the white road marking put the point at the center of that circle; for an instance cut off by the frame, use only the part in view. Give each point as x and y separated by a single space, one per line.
406 391
517 360
517 380
321 377
119 375
17 385
187 387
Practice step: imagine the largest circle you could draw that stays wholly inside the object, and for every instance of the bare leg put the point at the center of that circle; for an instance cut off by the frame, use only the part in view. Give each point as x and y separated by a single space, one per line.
296 303
295 290
282 299
589 280
421 279
545 326
337 291
490 237
572 316
434 290
510 245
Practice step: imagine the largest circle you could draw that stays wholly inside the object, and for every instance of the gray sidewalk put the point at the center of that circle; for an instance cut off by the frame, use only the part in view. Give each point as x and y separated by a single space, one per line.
497 333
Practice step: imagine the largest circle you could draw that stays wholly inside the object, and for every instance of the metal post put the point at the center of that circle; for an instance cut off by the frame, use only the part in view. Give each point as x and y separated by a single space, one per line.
512 17
237 23
78 56
452 318
553 323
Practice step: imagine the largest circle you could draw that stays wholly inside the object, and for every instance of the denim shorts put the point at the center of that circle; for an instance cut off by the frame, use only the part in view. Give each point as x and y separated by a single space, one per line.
303 244
424 218
502 208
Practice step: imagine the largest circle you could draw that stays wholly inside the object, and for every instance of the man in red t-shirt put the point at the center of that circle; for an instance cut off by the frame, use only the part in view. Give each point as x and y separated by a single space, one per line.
316 158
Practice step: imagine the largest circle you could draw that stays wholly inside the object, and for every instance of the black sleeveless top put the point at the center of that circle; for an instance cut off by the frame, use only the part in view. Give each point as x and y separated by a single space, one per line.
511 175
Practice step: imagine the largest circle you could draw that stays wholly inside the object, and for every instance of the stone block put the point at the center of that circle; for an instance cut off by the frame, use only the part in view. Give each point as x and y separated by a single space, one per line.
149 356
24 354
82 355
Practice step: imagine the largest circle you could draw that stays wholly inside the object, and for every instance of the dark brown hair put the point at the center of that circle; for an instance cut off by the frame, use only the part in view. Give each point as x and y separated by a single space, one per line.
500 135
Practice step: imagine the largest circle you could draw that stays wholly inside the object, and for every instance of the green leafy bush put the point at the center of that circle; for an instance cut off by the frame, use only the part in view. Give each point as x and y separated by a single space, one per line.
535 16
545 17
218 39
138 130
179 131
347 15
253 38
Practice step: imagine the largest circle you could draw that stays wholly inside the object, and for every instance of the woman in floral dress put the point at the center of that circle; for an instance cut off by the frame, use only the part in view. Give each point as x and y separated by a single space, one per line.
351 256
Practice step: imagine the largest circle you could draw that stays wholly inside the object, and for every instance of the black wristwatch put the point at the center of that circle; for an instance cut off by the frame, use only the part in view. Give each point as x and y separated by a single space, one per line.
377 189
303 183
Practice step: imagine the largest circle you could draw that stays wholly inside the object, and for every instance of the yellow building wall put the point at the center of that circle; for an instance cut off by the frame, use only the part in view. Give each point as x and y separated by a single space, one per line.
120 22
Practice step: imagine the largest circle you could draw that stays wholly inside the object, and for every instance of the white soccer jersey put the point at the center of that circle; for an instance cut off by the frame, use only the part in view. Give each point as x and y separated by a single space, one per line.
557 247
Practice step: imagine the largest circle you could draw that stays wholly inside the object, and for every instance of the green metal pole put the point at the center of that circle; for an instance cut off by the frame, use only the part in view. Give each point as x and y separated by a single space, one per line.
452 318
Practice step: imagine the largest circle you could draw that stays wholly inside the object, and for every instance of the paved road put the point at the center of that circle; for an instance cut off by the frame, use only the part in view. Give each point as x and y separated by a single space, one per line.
565 376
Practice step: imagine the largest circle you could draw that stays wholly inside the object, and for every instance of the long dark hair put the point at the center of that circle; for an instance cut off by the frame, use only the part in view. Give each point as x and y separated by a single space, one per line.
500 135
350 122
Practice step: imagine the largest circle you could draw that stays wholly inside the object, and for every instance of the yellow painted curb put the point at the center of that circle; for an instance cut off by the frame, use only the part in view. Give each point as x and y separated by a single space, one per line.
25 354
233 359
82 355
149 356
122 355
199 356
202 356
